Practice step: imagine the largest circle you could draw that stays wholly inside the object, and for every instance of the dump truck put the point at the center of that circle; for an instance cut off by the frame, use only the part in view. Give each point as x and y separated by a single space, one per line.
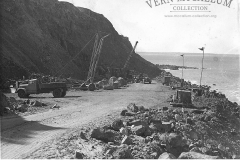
35 86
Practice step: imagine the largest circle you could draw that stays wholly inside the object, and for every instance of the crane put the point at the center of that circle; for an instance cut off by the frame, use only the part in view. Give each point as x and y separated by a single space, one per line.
130 55
94 61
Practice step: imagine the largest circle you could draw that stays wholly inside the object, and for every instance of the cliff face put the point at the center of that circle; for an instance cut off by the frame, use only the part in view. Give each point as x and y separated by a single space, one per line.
46 36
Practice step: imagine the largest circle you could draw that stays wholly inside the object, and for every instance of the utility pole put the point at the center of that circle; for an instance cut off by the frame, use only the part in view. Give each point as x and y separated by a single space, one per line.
182 70
202 49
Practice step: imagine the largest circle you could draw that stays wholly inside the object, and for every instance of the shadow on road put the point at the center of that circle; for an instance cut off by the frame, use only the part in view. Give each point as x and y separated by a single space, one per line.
30 97
17 130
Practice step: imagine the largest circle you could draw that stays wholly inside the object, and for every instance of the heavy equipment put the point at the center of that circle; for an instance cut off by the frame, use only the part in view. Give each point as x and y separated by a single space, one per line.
35 86
94 62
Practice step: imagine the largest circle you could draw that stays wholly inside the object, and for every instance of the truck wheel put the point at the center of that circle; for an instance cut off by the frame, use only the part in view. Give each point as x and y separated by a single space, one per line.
57 93
64 93
91 87
21 94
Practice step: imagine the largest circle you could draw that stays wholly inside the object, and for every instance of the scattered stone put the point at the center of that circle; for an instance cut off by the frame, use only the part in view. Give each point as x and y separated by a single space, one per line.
82 135
195 155
192 146
166 155
195 149
165 108
154 155
55 106
22 108
189 121
193 135
127 140
110 151
102 134
138 130
177 117
78 155
132 107
111 143
148 132
174 139
37 104
221 147
197 111
139 122
166 126
124 131
129 114
117 125
123 113
122 153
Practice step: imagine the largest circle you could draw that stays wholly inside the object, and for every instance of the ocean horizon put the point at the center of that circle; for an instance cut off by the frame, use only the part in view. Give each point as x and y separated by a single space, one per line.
221 71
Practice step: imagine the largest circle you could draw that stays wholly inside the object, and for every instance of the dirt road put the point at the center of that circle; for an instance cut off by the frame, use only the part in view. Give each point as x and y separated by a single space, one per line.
21 136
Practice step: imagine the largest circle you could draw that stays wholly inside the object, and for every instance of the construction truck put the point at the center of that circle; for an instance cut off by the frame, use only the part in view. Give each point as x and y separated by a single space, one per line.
146 79
35 86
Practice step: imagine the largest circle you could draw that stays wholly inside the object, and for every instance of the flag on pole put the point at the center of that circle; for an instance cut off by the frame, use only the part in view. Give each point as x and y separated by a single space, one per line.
201 48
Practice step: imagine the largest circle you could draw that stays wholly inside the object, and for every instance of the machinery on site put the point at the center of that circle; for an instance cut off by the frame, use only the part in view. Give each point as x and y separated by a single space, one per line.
36 86
146 79
88 84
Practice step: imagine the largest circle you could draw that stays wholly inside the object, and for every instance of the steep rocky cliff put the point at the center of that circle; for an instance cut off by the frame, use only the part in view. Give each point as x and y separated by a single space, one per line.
46 36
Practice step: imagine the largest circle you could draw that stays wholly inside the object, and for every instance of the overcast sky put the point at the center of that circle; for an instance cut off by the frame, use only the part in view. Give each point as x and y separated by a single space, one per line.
158 33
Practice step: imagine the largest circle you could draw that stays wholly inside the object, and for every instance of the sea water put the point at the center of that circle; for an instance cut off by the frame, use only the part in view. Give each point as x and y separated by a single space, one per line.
221 71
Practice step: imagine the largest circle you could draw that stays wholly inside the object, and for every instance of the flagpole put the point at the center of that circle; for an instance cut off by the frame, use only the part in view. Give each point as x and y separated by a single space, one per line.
202 67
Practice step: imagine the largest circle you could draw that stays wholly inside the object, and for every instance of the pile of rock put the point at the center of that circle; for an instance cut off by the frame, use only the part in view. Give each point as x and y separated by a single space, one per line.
167 133
9 105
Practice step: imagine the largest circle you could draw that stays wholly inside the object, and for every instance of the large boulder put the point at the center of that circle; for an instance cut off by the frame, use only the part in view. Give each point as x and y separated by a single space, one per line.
122 82
112 80
117 125
138 130
99 85
166 155
195 155
103 134
105 82
116 84
174 144
132 107
174 140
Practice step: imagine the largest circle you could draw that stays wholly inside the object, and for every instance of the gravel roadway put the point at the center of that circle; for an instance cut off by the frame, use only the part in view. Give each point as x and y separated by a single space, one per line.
22 135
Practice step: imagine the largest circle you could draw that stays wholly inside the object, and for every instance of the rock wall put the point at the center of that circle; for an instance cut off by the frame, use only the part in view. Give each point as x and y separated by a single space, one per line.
46 36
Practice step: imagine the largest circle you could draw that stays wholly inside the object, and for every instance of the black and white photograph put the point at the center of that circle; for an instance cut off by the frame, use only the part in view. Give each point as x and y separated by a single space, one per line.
120 79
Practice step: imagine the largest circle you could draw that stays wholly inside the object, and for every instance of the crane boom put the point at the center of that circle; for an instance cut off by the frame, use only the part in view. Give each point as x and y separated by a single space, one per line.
130 55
